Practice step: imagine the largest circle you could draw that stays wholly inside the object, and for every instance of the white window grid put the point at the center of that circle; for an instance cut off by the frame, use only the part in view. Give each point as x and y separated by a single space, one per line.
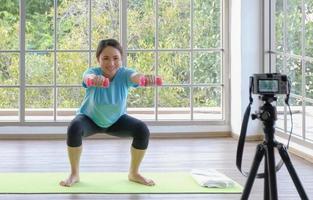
270 61
223 50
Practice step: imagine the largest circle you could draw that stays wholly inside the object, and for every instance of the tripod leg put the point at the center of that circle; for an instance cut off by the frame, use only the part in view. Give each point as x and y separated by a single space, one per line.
254 169
271 171
285 157
266 191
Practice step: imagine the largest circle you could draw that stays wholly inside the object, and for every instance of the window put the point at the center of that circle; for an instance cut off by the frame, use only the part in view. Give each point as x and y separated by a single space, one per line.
293 55
48 45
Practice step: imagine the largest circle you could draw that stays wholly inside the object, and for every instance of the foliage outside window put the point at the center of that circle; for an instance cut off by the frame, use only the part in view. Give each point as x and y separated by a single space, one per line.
180 40
293 52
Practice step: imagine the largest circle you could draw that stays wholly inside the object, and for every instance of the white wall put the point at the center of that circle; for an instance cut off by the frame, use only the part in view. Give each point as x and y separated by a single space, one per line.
246 50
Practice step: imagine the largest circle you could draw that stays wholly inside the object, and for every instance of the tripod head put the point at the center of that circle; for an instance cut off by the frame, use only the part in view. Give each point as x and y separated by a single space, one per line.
267 112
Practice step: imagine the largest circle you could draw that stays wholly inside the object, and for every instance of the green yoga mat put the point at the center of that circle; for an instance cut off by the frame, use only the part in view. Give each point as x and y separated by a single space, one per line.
105 183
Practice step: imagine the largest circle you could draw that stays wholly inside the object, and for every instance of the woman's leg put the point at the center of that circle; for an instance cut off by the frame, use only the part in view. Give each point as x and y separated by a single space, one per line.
130 126
74 154
81 126
134 175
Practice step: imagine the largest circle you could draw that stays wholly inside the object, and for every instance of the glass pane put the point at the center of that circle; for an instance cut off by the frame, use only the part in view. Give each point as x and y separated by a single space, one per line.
309 120
294 16
141 100
206 23
39 68
141 12
174 24
280 107
94 61
39 104
280 64
70 67
142 62
207 103
141 103
9 24
68 101
9 69
174 67
9 104
105 21
39 24
294 72
309 80
174 103
72 22
296 109
308 40
207 67
279 25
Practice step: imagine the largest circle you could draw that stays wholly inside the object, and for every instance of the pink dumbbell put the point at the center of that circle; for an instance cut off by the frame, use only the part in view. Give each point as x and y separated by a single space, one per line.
145 81
105 82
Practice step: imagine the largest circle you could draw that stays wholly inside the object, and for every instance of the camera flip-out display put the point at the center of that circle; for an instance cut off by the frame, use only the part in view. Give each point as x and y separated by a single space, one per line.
269 84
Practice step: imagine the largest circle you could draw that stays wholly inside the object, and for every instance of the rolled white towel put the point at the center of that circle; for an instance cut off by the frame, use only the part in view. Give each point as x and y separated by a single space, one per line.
211 178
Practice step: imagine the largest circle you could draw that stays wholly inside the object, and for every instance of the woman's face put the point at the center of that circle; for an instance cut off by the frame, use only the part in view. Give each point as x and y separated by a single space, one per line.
110 61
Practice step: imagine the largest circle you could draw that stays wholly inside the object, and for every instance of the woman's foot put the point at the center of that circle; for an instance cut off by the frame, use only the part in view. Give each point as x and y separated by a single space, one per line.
140 179
71 180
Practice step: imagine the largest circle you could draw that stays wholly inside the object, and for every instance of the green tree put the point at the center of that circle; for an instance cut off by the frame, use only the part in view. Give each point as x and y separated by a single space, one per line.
73 34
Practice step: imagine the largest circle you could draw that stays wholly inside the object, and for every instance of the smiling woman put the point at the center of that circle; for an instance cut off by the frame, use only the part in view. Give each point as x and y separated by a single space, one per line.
103 110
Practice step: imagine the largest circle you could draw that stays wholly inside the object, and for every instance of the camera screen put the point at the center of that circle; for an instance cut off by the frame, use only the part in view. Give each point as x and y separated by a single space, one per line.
270 86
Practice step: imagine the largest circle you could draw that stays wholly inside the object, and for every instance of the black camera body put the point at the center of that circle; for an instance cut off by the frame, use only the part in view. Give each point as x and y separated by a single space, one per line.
269 84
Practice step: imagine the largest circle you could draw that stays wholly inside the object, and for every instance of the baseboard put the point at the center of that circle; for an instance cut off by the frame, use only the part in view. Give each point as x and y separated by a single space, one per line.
190 135
297 147
153 135
302 154
164 131
256 137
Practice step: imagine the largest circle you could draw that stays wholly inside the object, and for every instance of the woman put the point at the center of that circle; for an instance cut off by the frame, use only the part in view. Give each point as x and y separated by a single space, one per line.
103 110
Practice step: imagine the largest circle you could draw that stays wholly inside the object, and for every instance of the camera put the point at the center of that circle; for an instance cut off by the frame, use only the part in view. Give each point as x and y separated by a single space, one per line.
269 84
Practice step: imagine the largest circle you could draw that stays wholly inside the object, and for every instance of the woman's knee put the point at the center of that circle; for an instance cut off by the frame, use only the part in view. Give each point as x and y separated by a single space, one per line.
141 136
74 134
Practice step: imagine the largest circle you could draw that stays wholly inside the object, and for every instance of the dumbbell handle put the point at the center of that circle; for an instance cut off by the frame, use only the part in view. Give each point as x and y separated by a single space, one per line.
90 82
150 80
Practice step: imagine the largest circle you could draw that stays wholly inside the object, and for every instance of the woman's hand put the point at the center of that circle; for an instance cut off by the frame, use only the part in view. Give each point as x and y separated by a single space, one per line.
146 80
95 80
98 80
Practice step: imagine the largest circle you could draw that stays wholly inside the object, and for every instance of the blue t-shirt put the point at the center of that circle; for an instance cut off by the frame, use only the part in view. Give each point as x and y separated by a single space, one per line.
106 105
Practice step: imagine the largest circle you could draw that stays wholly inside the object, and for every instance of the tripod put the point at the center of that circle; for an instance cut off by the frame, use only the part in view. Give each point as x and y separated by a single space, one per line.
268 115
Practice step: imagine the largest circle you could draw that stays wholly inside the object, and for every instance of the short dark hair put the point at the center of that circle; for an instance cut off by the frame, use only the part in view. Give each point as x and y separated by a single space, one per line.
108 42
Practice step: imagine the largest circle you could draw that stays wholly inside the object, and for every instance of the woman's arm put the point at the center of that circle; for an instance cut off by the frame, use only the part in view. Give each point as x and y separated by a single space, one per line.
136 77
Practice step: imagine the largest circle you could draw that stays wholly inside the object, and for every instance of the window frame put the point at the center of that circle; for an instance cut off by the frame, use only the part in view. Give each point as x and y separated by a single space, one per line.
270 54
224 51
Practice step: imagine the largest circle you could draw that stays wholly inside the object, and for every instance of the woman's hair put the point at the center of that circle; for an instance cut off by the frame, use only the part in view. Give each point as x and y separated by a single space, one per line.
109 42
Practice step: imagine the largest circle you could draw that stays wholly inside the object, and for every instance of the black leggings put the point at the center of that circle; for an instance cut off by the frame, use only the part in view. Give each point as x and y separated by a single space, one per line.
82 126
